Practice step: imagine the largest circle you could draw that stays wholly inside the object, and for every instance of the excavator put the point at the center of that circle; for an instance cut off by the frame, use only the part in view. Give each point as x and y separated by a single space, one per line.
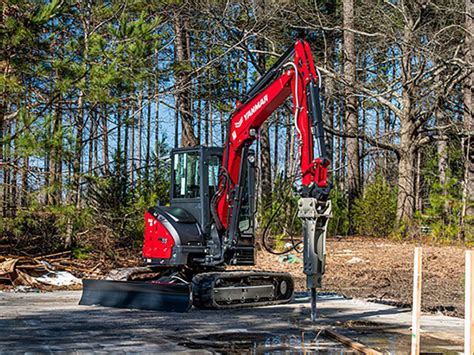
210 221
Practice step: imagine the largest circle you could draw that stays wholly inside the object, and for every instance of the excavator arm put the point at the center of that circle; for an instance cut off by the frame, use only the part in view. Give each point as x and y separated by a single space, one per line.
293 75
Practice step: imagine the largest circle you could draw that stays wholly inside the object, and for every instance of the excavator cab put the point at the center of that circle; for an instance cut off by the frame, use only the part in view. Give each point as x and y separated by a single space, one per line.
183 233
194 180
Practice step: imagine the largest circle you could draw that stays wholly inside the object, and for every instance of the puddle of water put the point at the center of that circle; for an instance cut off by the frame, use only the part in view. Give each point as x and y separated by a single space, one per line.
372 335
309 343
396 343
262 343
305 296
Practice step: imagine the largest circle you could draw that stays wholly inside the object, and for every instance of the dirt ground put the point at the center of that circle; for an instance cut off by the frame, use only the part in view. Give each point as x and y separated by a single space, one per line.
382 270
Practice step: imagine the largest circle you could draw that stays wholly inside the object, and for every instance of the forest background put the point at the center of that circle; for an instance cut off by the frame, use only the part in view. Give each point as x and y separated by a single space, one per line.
94 94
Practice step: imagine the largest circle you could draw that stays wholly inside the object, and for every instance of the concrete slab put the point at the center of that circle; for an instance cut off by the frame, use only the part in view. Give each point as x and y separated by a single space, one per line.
46 322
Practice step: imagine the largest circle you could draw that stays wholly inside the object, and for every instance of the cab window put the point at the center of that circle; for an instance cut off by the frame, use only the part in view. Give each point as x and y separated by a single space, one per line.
213 171
187 180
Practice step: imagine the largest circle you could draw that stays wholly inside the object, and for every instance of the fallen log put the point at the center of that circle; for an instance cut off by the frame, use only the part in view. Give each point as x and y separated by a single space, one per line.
48 256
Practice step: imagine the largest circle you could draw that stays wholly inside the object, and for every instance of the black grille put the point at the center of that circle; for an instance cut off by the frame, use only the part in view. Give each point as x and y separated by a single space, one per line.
245 256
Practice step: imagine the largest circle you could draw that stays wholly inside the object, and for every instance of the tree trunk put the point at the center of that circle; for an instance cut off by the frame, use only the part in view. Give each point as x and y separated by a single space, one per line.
183 83
11 198
223 127
7 170
386 127
93 118
24 181
76 164
418 195
288 125
342 151
157 114
362 151
118 147
95 156
199 112
148 134
406 167
442 149
14 178
329 117
132 142
338 153
3 169
125 148
211 129
441 144
352 144
405 198
139 136
105 142
157 128
206 123
78 149
266 170
468 144
55 166
407 150
275 145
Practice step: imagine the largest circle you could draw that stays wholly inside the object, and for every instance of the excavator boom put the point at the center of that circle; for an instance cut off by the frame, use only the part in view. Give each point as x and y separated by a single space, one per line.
293 74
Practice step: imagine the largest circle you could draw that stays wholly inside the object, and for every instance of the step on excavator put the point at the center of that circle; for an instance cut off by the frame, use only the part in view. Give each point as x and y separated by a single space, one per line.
210 222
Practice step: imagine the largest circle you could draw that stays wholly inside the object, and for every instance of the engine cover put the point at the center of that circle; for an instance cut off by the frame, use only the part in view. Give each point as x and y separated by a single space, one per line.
171 236
158 242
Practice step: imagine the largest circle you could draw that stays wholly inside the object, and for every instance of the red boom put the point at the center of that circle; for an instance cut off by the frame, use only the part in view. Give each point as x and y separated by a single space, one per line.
248 118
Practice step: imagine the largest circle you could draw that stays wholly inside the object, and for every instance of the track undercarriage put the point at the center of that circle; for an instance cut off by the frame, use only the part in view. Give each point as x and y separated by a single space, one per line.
177 290
237 289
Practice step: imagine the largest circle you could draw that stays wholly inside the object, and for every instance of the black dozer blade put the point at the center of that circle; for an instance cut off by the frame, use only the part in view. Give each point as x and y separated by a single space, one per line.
137 294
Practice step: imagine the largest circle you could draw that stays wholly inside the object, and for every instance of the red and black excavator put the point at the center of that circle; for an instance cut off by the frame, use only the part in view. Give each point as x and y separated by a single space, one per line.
210 222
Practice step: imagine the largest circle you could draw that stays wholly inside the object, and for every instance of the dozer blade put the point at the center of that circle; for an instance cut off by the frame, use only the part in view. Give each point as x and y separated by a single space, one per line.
137 294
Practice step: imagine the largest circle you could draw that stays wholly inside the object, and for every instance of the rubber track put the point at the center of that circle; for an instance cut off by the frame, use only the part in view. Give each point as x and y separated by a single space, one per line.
203 289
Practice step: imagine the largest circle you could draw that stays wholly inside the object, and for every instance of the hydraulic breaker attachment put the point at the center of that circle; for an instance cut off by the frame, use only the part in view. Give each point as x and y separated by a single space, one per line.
137 294
315 215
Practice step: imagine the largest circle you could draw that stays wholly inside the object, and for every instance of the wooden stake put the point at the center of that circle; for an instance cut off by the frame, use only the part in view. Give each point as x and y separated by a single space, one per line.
351 343
416 308
469 306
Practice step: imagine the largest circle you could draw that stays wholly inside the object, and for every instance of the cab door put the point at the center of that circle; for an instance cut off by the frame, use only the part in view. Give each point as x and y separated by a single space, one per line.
194 177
